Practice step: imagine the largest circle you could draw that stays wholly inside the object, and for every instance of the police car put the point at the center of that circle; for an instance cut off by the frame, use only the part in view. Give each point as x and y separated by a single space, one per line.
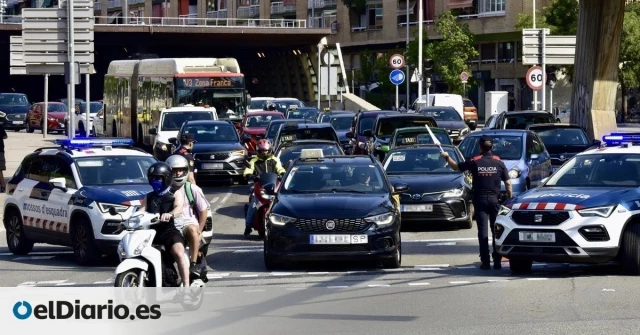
586 212
62 196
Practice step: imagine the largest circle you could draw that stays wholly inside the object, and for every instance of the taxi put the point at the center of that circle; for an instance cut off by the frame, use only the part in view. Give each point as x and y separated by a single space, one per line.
582 213
416 135
333 208
62 196
294 131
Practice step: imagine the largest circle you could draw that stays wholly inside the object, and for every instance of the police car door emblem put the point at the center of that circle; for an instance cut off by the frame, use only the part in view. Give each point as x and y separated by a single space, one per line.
416 196
537 218
331 225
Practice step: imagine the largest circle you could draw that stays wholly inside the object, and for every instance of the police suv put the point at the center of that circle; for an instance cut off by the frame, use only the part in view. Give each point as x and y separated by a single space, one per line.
62 196
586 212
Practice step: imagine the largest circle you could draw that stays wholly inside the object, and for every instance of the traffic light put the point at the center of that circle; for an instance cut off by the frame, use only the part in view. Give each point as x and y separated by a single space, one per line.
551 75
428 67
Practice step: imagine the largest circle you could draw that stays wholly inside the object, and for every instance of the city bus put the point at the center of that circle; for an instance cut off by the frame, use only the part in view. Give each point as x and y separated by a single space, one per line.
136 92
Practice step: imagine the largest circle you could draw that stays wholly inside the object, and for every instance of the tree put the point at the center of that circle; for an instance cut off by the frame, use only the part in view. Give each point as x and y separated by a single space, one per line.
452 54
629 74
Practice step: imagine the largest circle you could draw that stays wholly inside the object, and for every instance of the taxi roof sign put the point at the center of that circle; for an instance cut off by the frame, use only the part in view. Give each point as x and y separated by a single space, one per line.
293 106
311 154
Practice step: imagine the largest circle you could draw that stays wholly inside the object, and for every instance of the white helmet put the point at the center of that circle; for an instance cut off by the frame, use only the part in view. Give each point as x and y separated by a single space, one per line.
180 168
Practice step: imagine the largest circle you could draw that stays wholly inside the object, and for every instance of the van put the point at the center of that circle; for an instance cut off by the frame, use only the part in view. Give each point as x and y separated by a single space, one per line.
440 100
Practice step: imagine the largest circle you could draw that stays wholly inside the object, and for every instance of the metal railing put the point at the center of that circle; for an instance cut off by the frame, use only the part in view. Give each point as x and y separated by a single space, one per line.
248 11
219 14
184 22
135 2
322 21
280 8
188 20
322 3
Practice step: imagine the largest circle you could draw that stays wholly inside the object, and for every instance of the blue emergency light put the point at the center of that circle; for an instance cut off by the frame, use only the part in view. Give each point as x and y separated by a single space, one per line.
94 142
615 139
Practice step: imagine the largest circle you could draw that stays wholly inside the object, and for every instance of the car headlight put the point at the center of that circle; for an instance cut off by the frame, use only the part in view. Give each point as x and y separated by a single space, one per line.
141 246
239 153
504 210
280 220
464 131
452 193
602 211
381 220
514 173
104 207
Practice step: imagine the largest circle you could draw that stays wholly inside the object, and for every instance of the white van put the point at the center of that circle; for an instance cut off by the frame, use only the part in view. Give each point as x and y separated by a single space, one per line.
440 100
170 121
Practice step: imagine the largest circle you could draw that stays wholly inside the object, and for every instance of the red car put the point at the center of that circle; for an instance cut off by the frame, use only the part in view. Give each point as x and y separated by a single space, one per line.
254 126
56 113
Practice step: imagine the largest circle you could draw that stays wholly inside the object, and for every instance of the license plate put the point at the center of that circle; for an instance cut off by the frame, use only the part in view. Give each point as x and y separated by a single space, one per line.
416 208
18 122
527 236
212 166
338 239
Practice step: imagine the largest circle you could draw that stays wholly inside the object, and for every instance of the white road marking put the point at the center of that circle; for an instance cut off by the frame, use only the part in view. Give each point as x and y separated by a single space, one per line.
539 264
32 258
108 281
242 247
249 276
295 288
52 253
51 282
224 199
214 277
281 273
432 266
354 272
379 285
608 290
210 293
250 291
214 200
66 284
466 267
337 286
434 244
28 283
537 278
317 273
429 269
220 274
459 282
393 270
419 284
249 250
497 280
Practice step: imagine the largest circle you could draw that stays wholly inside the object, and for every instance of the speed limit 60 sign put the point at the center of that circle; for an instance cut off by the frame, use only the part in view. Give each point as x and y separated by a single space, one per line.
535 77
396 61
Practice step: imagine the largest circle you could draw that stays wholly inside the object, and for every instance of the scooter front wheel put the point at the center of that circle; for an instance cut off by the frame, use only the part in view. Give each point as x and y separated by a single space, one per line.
129 278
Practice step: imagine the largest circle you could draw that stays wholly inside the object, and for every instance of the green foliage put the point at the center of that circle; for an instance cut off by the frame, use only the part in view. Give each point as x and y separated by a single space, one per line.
525 21
451 55
562 17
630 48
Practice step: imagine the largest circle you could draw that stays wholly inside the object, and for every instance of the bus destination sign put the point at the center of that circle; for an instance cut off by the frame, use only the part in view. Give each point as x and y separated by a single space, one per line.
218 82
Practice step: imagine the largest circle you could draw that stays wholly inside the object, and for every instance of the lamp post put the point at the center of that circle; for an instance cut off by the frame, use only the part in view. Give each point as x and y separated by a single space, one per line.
552 84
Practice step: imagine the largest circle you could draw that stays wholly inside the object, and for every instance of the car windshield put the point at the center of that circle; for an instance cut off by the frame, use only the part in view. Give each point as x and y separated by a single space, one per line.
563 136
261 120
292 152
419 161
507 147
468 103
13 99
387 126
56 108
114 170
306 114
521 121
207 133
283 105
257 104
327 134
412 138
174 120
443 114
342 122
598 170
94 107
330 177
365 124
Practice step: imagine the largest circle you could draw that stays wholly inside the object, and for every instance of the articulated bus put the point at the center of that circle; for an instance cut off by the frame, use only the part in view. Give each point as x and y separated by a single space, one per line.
136 92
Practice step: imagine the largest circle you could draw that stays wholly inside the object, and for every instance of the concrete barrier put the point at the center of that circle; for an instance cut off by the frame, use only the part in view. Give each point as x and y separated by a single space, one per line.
354 103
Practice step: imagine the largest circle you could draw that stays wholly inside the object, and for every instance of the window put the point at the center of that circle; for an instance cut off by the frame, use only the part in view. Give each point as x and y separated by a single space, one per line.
114 170
521 121
291 153
34 170
61 169
507 147
491 6
341 122
213 133
327 177
174 120
506 52
488 52
261 120
594 170
419 161
538 146
375 16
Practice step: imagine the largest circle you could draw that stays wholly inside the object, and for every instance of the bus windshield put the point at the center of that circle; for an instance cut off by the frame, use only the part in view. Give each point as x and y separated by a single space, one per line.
225 94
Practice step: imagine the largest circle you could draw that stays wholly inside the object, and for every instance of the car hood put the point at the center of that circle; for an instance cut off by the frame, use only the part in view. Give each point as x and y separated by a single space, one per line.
164 135
254 130
116 194
582 197
200 147
452 124
14 109
433 183
556 150
331 206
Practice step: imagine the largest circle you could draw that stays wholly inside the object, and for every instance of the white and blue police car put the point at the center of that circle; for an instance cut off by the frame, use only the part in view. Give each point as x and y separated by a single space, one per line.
62 196
586 212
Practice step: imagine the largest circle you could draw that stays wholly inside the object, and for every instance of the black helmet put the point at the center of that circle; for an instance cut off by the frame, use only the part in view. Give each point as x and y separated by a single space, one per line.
270 106
160 176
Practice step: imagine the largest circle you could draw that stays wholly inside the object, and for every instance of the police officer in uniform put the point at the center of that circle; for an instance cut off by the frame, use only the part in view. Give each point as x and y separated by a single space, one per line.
186 146
487 171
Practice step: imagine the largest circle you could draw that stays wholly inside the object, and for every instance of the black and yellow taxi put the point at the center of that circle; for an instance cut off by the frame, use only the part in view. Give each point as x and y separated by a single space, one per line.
294 131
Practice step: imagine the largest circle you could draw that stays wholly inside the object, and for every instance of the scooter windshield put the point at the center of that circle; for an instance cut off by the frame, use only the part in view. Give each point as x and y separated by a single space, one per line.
268 178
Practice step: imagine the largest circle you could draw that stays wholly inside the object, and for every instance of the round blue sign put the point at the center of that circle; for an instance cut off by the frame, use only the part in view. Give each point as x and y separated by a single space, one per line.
397 77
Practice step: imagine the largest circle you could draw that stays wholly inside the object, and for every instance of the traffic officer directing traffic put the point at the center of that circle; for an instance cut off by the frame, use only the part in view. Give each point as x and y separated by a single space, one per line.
187 142
487 171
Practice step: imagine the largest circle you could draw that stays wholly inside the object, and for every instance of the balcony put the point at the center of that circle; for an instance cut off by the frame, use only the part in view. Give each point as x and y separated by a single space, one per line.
322 3
220 14
187 20
283 7
136 2
97 6
114 4
245 12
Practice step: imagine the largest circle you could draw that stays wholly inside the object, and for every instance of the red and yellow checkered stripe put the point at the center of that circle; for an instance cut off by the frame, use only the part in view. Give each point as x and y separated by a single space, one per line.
59 227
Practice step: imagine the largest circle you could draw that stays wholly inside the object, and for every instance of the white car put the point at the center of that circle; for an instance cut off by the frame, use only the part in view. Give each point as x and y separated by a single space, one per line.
62 196
583 213
257 103
170 121
94 112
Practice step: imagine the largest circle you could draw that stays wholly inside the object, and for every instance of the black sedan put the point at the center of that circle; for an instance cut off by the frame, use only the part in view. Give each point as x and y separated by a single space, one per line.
439 195
335 208
448 118
288 152
563 141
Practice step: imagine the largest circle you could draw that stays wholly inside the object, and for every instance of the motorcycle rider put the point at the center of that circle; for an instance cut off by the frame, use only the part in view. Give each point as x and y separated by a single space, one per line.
194 217
163 202
264 162
187 142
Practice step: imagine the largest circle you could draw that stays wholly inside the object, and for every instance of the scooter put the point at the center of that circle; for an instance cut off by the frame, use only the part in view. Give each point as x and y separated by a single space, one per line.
264 200
142 263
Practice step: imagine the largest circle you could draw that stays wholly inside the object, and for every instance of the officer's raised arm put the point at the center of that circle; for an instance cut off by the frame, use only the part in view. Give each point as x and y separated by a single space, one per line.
504 175
462 167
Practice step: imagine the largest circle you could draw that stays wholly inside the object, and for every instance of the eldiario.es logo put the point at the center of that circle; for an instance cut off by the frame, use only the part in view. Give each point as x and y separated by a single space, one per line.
64 310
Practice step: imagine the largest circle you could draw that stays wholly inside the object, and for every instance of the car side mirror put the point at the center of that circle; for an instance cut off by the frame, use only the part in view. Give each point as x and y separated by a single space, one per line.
400 188
368 133
173 141
59 183
153 131
473 125
596 142
269 189
349 134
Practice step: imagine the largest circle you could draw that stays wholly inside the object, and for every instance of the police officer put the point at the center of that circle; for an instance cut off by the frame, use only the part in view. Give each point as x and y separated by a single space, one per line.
186 146
487 171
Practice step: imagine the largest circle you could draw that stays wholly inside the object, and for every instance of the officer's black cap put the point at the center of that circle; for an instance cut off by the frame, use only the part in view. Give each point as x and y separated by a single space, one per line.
486 141
186 138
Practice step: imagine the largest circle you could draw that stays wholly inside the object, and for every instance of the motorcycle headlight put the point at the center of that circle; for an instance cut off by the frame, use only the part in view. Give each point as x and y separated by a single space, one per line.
452 193
514 173
132 223
504 210
141 246
602 211
280 220
381 220
104 207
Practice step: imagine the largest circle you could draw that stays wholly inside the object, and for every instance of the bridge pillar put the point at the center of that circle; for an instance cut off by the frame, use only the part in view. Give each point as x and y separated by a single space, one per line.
104 11
148 10
202 11
595 78
174 11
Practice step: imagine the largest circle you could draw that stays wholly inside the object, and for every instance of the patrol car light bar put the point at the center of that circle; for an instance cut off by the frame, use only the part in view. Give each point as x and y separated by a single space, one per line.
311 153
94 142
619 138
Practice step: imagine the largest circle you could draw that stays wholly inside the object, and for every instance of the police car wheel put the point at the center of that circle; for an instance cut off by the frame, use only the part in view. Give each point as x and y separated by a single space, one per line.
631 250
520 265
17 241
396 261
84 247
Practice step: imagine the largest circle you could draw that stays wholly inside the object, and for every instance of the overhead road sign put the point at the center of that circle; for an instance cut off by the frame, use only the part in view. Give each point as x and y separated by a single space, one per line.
557 50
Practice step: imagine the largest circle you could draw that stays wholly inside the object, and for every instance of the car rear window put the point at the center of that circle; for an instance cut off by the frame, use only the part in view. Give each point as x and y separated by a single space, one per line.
522 121
308 134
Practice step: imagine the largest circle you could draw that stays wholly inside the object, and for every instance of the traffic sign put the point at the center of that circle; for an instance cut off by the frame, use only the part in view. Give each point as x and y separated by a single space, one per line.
396 61
464 77
535 78
557 50
328 58
396 77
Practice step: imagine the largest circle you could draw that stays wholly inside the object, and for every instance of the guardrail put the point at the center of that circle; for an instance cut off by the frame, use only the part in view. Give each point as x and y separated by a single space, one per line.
186 21
248 11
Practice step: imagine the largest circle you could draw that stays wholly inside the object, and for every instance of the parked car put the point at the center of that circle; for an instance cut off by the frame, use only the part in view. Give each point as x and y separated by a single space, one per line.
15 106
56 113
